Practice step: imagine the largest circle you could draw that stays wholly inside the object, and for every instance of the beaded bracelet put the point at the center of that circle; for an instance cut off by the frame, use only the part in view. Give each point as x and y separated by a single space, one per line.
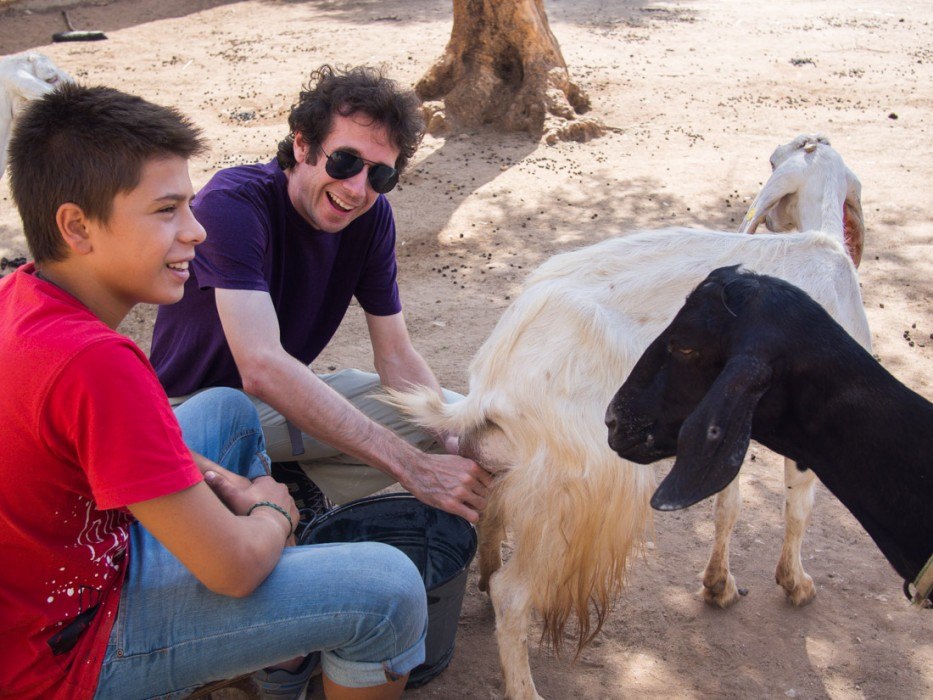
274 506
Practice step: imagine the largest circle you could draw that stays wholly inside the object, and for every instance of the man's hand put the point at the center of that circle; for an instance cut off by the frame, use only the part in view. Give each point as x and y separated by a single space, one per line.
451 483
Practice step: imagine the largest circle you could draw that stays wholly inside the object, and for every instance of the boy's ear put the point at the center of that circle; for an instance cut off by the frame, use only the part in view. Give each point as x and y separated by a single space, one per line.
73 227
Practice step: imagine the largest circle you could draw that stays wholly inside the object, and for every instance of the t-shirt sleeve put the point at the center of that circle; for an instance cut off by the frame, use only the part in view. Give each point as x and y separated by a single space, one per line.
233 254
377 291
107 413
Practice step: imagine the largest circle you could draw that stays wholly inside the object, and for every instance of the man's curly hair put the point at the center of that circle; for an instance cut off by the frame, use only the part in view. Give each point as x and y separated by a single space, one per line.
346 92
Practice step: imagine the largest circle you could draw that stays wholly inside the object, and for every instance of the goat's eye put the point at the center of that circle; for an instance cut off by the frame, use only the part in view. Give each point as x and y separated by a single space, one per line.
675 348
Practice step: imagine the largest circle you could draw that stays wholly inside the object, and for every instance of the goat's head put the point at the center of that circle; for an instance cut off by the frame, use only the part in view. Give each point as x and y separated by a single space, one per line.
810 189
696 389
45 70
27 76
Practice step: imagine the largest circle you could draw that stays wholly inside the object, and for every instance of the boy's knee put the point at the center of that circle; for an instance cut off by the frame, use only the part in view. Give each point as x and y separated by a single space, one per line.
405 600
235 406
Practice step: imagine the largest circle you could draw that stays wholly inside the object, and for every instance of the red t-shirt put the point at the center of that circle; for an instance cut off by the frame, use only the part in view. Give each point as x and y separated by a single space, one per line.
85 429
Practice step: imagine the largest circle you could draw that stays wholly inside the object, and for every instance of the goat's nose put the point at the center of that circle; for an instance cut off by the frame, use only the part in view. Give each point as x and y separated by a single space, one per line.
610 419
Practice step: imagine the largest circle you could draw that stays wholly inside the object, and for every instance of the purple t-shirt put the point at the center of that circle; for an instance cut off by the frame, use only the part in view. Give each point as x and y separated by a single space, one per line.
257 241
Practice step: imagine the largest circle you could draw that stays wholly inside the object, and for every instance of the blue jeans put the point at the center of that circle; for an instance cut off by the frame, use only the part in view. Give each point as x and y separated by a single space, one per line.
362 605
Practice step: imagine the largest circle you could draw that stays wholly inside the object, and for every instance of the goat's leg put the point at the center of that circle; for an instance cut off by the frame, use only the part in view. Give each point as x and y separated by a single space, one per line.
511 600
491 532
719 587
798 504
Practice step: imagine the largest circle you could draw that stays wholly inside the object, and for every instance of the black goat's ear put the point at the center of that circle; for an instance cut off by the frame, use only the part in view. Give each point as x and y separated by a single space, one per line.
738 290
714 438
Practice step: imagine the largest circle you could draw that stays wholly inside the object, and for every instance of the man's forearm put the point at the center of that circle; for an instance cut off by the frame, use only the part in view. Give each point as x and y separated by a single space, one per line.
317 410
405 371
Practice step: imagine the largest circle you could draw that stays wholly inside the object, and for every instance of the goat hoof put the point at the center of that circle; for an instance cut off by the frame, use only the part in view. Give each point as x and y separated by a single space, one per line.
802 594
722 593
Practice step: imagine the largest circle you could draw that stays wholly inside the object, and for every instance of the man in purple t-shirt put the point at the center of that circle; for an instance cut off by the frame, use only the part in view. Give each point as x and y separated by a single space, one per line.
289 244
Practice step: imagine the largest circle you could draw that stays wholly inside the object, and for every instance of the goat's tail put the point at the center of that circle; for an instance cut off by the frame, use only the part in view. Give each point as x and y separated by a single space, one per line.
423 405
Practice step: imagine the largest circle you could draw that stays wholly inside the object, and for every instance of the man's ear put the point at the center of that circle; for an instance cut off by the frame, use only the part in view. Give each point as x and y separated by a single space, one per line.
73 226
300 148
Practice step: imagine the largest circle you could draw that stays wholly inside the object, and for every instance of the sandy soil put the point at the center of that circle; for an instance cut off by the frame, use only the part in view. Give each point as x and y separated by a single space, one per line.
700 93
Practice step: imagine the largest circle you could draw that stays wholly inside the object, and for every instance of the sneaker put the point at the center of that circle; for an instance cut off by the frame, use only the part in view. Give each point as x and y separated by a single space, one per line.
309 499
286 685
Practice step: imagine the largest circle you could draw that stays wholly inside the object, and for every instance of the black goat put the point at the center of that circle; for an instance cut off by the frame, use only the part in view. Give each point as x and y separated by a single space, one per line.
751 356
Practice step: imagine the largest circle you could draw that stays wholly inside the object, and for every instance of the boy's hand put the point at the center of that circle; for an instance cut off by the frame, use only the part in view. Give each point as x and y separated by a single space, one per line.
206 465
240 499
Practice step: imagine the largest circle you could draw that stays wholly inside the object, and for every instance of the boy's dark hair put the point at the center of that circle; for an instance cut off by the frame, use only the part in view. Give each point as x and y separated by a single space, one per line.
331 91
85 145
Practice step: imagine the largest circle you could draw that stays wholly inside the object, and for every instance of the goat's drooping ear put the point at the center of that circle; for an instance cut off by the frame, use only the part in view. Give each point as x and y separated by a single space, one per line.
779 185
714 438
852 219
736 289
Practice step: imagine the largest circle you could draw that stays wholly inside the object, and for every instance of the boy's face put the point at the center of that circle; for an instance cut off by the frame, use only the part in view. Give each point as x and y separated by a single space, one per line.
141 253
329 204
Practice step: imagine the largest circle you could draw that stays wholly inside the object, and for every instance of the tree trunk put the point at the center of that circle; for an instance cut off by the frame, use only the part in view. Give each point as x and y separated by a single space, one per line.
503 68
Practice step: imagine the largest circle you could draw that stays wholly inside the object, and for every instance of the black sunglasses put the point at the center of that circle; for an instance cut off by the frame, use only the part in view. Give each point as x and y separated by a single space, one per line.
343 164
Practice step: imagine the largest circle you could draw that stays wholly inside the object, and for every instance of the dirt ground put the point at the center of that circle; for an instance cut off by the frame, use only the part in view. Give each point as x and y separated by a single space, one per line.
700 93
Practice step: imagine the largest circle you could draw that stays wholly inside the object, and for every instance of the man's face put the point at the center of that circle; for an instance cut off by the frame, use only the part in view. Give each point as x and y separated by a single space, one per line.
329 204
141 253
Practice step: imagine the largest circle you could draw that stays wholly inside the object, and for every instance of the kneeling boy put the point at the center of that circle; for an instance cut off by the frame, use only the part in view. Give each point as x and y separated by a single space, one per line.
122 573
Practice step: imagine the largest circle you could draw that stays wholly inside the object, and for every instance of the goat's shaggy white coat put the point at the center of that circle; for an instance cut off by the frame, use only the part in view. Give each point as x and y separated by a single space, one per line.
539 387
23 77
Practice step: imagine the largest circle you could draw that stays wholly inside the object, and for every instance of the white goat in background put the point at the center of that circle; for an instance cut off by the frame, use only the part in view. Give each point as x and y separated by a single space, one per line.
794 199
23 77
810 189
540 384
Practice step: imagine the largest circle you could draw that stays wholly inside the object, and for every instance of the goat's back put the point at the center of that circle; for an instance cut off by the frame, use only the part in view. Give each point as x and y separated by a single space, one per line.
600 306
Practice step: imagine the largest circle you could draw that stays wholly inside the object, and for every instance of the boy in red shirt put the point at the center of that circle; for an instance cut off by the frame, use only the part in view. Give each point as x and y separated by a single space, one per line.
130 564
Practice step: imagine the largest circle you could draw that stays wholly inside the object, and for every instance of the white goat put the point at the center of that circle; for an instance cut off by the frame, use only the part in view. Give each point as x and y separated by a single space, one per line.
539 387
23 77
810 189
